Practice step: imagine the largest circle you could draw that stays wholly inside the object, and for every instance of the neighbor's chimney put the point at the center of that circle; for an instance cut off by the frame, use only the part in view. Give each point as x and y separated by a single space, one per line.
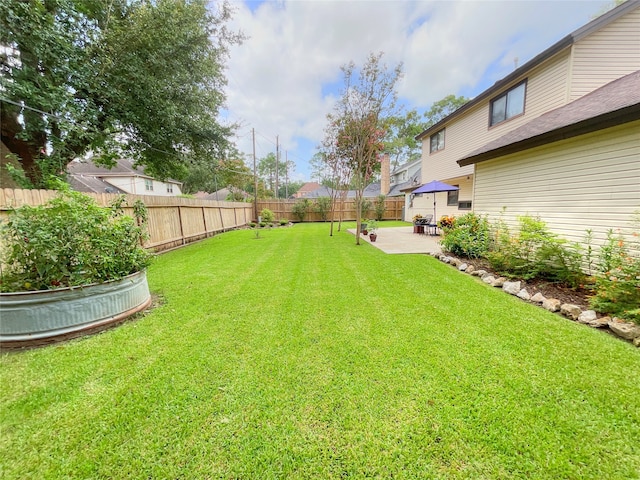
385 173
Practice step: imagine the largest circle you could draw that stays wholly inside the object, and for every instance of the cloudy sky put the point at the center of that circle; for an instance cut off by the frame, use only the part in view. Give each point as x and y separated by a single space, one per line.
284 78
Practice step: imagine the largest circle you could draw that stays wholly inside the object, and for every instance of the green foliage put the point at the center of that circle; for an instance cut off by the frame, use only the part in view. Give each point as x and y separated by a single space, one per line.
71 241
379 206
228 172
617 288
149 72
372 225
322 206
283 222
401 130
467 236
535 252
267 215
366 206
300 208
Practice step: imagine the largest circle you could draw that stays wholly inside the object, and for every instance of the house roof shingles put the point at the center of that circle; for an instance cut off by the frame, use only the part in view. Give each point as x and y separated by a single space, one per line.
615 103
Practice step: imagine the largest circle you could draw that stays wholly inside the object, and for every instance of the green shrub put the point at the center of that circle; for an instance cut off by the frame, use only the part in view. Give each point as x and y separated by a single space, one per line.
617 288
300 209
252 224
322 206
267 215
467 236
535 252
379 206
283 222
71 241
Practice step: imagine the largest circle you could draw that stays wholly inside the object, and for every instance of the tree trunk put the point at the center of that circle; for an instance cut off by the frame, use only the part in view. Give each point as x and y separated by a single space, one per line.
25 152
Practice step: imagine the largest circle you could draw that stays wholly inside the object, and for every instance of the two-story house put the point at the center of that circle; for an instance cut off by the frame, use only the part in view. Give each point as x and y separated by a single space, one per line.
558 138
86 176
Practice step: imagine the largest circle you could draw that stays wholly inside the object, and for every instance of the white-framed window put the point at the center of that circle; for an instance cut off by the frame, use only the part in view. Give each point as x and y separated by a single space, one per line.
508 105
436 141
148 185
464 205
169 187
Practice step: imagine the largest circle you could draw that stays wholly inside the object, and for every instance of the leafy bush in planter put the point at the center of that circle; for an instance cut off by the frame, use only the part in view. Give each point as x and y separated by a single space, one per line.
466 236
70 241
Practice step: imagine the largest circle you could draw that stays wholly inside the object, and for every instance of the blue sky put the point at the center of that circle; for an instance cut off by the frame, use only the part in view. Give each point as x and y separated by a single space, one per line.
285 77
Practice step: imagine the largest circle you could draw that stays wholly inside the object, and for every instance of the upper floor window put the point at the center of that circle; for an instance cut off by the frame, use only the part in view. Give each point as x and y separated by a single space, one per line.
437 141
509 104
148 185
169 187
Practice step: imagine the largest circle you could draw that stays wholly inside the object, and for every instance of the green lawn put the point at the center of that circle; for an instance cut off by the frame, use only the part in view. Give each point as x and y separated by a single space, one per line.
299 355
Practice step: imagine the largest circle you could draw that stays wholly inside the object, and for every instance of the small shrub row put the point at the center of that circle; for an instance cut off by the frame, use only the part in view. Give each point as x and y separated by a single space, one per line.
533 251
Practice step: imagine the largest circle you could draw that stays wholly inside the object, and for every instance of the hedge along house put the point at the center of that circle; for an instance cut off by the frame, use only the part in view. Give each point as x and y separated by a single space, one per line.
576 167
595 55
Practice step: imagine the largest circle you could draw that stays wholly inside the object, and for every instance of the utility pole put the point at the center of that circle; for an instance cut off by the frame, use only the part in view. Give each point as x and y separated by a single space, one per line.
277 162
255 178
286 174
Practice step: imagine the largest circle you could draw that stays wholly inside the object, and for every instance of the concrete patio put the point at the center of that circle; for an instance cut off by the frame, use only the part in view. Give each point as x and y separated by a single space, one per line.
403 240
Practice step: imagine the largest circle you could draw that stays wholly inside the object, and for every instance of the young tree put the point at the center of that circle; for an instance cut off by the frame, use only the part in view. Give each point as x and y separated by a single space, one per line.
356 126
137 78
401 130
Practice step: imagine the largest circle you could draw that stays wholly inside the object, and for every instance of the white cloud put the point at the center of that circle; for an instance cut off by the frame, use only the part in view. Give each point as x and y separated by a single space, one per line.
283 79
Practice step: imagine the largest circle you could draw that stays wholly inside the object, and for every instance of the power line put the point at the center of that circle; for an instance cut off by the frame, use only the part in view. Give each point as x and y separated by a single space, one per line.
22 105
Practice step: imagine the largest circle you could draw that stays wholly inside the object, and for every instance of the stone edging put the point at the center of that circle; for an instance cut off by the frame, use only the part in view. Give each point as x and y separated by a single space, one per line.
623 329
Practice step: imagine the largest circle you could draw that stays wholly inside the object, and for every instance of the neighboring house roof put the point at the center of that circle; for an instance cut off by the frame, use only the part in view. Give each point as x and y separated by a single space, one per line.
405 166
613 104
371 190
401 188
565 42
122 168
89 184
307 188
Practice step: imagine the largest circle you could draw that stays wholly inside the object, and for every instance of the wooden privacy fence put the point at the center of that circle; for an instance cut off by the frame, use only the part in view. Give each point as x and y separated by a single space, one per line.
173 221
284 209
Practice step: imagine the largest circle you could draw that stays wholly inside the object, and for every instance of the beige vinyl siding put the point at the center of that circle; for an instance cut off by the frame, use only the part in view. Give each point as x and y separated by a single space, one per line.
603 56
465 193
588 182
546 90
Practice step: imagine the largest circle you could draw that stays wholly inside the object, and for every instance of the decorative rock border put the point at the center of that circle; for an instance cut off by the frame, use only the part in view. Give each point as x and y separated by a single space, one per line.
625 330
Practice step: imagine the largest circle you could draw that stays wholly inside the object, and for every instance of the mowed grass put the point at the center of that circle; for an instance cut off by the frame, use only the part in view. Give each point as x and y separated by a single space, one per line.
299 355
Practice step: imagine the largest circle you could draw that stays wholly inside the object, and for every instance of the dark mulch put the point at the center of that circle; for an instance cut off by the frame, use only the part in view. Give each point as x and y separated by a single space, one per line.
563 293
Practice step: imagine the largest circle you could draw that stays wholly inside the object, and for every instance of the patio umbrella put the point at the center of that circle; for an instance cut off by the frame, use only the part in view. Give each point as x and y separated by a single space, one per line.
435 187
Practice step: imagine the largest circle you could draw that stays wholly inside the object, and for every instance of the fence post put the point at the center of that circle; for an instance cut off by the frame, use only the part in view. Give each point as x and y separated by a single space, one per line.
180 222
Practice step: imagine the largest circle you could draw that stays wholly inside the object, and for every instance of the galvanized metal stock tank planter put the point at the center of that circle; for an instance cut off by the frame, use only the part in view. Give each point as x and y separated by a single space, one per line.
31 318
